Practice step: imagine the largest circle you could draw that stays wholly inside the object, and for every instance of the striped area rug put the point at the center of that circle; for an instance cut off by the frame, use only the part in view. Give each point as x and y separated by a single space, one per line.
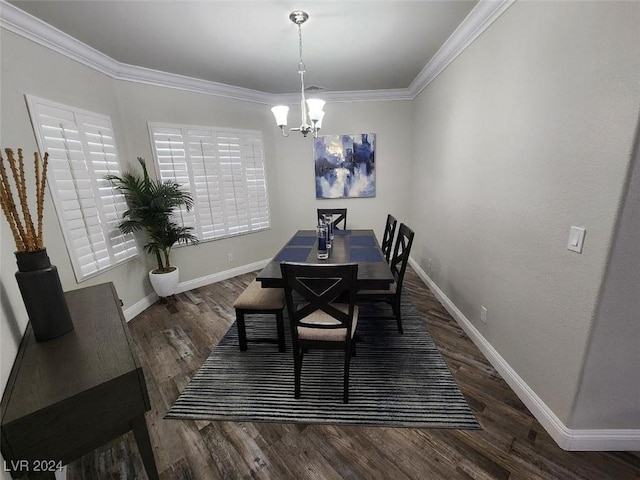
395 380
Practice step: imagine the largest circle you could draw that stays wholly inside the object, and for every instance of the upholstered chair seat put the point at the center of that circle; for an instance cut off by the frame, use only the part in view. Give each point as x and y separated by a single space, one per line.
328 334
258 300
255 297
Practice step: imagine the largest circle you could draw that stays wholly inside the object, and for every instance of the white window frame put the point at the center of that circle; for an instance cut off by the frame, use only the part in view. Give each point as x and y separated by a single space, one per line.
224 169
82 151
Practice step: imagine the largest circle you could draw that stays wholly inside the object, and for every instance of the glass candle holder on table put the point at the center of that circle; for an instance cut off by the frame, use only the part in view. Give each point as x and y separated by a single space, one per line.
328 223
321 234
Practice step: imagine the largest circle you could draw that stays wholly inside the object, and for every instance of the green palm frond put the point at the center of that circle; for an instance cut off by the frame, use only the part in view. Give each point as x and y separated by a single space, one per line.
152 204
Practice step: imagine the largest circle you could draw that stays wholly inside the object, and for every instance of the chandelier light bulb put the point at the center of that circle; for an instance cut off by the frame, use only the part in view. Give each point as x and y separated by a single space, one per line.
315 108
318 122
280 112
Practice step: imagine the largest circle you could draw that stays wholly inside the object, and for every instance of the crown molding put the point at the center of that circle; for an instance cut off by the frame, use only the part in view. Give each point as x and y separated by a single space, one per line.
34 29
132 73
479 19
353 96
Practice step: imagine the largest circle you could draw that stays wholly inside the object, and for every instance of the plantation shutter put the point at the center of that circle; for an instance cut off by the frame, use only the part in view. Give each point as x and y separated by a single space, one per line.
234 191
207 186
82 150
256 182
171 159
224 170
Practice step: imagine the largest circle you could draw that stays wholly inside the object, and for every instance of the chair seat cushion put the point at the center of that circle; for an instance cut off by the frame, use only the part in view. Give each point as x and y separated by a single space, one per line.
255 297
390 291
327 334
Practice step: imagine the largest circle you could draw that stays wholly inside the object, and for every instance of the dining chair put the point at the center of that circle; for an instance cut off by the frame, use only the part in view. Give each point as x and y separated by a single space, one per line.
398 267
338 216
258 300
319 318
387 239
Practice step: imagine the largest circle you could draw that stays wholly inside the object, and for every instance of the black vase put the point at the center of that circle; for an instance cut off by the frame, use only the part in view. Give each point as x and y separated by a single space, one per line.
42 294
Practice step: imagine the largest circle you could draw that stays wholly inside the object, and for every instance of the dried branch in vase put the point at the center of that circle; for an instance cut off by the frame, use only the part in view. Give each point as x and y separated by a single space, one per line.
26 236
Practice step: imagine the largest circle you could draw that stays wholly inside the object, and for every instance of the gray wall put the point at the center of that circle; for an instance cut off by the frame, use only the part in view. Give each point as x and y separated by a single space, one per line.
609 394
528 132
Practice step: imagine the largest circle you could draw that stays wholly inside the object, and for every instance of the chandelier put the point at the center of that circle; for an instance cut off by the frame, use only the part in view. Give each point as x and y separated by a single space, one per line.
312 113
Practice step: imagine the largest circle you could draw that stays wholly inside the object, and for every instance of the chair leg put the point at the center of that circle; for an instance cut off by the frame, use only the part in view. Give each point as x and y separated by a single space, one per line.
280 325
297 367
397 313
347 362
242 332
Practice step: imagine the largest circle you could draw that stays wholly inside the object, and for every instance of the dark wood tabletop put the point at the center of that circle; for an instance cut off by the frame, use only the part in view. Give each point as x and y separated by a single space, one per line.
348 246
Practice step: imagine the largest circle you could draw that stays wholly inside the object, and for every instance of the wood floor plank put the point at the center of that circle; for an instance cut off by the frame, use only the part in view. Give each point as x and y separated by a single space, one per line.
304 460
409 454
173 341
232 446
473 463
482 443
354 456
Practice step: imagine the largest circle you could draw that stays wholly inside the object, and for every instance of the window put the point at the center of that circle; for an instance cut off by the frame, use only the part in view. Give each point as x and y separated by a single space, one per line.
82 151
224 171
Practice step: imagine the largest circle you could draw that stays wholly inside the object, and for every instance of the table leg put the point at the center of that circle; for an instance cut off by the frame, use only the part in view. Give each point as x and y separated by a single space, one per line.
144 446
242 331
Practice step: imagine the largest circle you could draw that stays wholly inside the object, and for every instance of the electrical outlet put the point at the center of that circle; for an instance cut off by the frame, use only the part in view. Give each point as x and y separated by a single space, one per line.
230 257
483 314
429 264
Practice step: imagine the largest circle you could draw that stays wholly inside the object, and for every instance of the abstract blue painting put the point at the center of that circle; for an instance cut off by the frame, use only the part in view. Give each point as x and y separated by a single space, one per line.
345 165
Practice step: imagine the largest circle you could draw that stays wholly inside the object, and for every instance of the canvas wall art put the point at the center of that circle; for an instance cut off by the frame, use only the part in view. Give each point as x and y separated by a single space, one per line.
345 165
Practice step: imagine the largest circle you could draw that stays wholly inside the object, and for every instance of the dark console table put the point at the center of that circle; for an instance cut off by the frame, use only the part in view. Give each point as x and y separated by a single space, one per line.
67 396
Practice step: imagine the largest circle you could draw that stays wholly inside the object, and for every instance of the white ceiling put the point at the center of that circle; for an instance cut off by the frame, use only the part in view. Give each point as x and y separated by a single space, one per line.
348 45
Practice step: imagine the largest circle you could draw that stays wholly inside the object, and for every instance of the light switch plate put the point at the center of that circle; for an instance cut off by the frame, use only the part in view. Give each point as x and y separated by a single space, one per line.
576 239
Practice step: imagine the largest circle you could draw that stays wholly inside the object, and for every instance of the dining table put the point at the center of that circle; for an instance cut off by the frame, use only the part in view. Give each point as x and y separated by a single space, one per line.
347 246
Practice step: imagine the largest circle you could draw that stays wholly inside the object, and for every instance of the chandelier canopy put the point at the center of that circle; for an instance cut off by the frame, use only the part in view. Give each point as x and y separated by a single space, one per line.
312 108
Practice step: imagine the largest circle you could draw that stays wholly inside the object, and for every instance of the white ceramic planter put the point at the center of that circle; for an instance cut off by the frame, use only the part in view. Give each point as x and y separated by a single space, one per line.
165 284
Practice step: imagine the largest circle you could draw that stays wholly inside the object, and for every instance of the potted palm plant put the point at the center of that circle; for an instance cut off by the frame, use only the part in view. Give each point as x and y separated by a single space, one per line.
152 205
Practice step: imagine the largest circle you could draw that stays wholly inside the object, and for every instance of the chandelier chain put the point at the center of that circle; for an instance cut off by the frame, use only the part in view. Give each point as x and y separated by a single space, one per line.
301 65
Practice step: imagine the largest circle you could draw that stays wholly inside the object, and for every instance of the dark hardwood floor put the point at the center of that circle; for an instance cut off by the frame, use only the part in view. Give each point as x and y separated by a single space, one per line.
174 341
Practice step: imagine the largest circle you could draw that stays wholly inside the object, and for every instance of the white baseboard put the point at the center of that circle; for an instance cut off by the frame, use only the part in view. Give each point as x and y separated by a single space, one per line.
152 298
218 277
566 438
140 306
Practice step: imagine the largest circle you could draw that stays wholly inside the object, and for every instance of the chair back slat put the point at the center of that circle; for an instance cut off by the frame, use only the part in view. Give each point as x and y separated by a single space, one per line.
319 287
338 217
387 239
401 254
